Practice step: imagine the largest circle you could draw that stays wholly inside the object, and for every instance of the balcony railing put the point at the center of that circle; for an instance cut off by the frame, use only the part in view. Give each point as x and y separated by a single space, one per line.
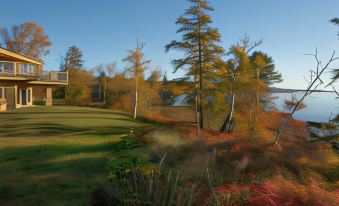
30 72
45 76
55 76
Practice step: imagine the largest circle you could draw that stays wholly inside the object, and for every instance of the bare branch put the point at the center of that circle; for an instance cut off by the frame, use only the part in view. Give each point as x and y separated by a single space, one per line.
320 69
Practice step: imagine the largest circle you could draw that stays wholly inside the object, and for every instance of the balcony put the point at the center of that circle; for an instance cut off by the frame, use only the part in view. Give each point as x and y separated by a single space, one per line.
30 72
54 76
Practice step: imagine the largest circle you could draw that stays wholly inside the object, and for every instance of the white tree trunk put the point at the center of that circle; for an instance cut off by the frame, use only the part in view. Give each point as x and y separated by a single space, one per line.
136 98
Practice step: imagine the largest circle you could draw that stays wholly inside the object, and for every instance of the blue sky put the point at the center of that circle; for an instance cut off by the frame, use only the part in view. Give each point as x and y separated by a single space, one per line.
105 29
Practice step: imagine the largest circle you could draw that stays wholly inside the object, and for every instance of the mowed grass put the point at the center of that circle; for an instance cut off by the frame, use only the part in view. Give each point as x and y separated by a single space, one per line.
58 155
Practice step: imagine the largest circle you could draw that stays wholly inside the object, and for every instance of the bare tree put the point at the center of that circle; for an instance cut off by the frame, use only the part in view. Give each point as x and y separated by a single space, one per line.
104 72
314 82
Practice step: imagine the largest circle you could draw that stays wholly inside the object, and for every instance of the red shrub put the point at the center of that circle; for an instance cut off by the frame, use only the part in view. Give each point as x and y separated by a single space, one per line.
283 192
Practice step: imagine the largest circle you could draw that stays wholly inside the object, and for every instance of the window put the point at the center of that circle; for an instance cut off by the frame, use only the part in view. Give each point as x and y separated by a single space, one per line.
6 67
27 69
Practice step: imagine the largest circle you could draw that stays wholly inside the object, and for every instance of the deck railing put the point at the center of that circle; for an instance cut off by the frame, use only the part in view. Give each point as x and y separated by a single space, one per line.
31 72
45 76
55 76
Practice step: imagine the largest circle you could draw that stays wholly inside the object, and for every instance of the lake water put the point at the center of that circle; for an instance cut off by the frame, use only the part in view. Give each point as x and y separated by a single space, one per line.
320 105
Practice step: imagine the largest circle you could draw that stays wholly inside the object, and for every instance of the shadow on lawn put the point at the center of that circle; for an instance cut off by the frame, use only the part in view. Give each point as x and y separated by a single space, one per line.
45 171
52 129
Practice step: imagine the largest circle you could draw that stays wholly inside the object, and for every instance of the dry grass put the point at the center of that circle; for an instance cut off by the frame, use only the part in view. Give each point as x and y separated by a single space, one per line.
261 168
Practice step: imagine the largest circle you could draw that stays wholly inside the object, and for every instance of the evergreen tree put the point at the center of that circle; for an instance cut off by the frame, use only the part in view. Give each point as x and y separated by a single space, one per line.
199 45
164 79
166 92
73 59
335 21
268 74
80 81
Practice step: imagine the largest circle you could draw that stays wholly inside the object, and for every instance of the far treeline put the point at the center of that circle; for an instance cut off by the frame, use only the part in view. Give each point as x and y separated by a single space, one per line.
226 85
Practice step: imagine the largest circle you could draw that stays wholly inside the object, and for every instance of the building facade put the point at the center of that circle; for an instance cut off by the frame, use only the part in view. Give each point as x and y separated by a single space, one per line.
23 81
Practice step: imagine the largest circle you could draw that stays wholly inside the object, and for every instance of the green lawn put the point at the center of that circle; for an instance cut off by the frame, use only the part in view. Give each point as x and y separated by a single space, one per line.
58 155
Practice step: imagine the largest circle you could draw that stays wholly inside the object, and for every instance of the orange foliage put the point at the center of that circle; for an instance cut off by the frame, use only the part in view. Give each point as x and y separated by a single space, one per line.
124 103
158 118
282 192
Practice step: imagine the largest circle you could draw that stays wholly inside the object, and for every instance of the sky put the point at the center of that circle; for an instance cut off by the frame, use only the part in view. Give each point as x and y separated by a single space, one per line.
105 29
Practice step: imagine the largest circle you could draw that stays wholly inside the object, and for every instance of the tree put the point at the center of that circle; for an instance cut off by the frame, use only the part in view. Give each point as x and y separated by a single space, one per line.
72 60
105 72
268 74
335 21
245 75
120 92
155 85
314 82
136 68
80 81
166 92
199 45
234 74
28 39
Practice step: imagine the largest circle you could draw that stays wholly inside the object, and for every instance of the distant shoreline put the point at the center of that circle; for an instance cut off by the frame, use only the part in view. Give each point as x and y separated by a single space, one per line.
282 90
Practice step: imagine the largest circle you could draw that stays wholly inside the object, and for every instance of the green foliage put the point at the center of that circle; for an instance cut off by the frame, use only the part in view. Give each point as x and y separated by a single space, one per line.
336 119
202 54
268 74
123 165
73 59
79 89
151 187
335 21
39 102
80 81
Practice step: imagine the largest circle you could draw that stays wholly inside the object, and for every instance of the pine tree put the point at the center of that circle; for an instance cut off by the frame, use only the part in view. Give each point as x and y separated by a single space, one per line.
136 68
73 59
268 74
335 21
80 81
199 45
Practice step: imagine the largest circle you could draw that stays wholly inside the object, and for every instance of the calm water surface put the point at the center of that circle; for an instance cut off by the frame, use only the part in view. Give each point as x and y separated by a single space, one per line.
320 105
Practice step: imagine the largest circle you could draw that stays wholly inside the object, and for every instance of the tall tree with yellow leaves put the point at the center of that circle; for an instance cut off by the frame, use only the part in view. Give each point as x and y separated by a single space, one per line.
200 48
136 69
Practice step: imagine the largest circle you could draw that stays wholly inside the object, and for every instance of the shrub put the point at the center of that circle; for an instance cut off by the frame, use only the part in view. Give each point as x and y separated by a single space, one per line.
153 188
3 101
39 102
123 165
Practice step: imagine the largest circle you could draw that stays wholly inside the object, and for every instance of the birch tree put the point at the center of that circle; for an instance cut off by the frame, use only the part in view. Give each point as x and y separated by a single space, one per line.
136 68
